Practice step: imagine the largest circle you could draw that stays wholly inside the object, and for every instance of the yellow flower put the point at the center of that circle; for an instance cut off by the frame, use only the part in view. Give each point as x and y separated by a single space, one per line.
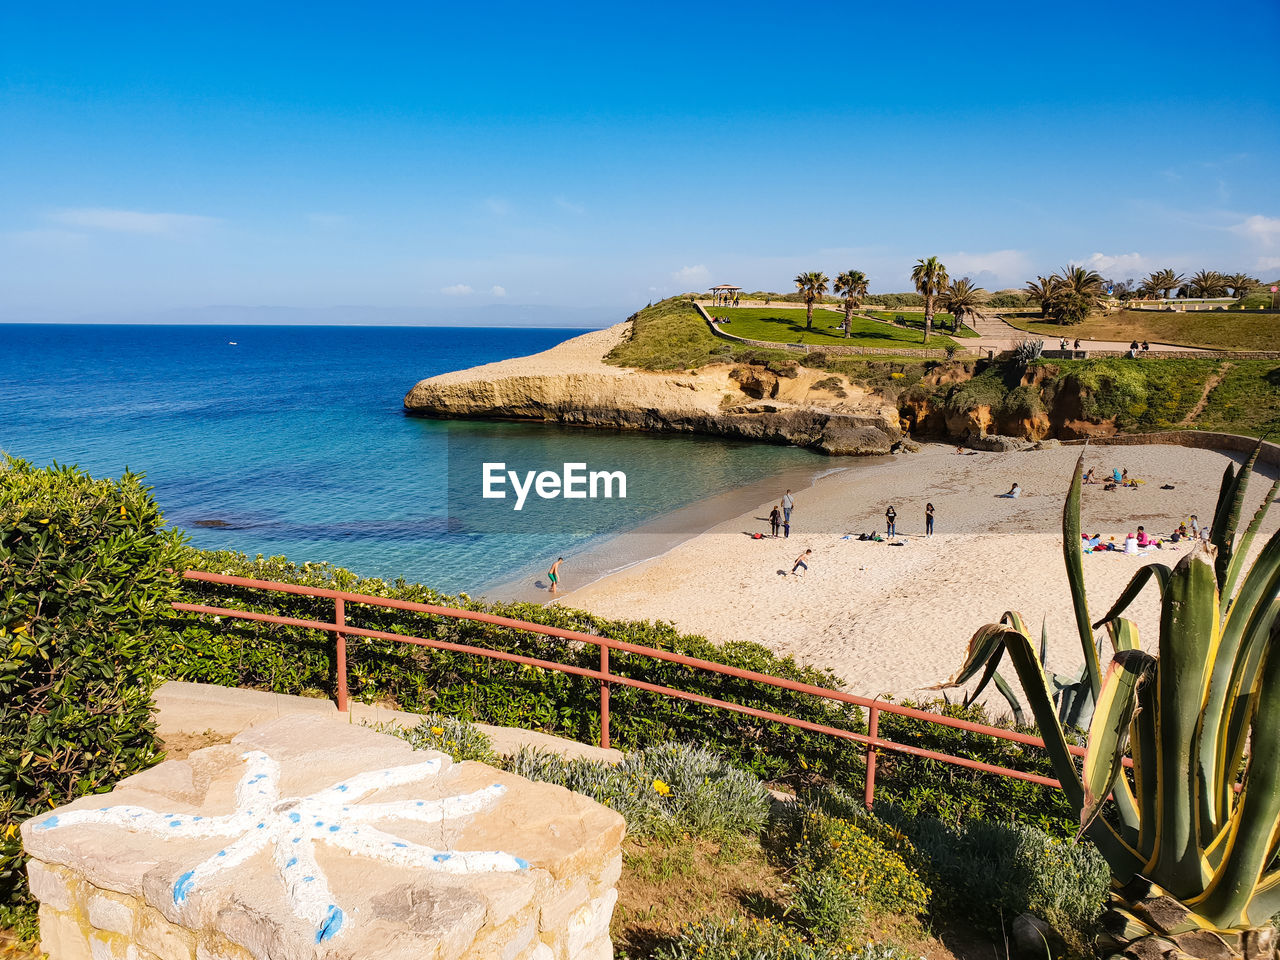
661 788
438 731
44 521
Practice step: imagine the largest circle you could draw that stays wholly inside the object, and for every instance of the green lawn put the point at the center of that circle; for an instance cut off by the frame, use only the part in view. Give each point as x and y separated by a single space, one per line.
1214 329
788 326
916 321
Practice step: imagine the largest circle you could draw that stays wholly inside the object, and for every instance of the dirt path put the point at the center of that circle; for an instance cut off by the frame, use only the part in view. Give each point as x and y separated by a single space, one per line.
1209 386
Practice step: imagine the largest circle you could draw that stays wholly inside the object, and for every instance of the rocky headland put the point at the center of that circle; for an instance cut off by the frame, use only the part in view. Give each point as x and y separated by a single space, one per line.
572 384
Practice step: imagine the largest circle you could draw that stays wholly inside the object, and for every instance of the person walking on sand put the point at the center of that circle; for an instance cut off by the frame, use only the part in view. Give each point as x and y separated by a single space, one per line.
554 574
800 562
928 519
787 504
891 521
786 528
775 521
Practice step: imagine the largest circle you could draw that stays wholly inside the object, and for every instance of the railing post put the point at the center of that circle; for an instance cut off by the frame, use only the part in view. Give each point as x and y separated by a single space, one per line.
604 698
873 731
340 620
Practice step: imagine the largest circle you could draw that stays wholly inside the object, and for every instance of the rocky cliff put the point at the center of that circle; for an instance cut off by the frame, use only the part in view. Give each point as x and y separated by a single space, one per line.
570 384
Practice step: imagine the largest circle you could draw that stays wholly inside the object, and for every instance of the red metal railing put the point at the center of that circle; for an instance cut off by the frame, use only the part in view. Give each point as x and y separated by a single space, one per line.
871 739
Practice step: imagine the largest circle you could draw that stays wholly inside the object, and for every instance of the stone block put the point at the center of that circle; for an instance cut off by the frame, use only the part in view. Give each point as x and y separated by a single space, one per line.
310 839
113 914
49 885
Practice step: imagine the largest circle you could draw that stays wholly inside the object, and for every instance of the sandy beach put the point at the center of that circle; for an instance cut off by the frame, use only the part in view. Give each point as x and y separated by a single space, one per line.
897 619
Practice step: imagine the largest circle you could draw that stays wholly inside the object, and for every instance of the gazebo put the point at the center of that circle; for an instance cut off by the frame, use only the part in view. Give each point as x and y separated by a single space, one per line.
725 294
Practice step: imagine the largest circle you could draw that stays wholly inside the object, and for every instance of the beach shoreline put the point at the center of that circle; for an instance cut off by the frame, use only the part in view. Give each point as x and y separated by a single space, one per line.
896 620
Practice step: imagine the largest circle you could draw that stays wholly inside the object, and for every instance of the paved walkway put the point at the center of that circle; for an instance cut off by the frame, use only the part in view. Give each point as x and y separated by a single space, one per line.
994 333
197 708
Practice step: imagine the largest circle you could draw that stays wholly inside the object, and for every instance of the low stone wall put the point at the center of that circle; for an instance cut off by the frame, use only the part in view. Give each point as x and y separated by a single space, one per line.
1199 439
306 838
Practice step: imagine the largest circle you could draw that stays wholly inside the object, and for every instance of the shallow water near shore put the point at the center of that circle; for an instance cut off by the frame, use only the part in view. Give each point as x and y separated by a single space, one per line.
292 441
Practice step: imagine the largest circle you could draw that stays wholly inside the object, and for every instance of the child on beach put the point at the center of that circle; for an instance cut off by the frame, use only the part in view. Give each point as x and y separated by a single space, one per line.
1014 492
775 520
554 574
800 563
890 519
928 519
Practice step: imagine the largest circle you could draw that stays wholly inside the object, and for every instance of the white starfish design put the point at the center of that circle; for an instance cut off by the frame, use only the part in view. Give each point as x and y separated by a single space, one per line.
293 825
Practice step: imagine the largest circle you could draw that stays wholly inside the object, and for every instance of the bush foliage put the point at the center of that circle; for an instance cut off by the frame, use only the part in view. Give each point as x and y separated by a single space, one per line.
84 597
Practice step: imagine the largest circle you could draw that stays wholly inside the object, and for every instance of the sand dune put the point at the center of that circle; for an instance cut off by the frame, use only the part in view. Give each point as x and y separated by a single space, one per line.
895 619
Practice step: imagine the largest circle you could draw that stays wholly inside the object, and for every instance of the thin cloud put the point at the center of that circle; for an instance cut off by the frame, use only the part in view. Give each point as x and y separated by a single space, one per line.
1268 263
695 274
565 204
47 238
1264 230
498 291
1117 262
130 221
1002 266
457 290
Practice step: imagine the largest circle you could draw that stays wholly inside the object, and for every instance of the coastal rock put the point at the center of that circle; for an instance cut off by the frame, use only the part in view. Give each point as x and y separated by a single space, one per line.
571 384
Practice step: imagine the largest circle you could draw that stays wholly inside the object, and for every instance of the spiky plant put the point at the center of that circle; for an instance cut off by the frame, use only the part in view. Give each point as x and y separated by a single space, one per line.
1192 834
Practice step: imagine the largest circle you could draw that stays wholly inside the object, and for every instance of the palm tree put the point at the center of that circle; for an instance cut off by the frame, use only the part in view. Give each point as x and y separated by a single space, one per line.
1207 283
1240 283
852 285
1165 281
961 299
930 278
812 286
1078 294
1041 290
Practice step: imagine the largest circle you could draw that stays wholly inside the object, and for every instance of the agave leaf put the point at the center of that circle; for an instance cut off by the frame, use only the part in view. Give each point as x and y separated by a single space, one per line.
1188 643
1122 856
1253 836
1225 726
1124 634
1145 753
1014 704
1073 555
1044 641
1227 516
1139 580
1241 551
1109 731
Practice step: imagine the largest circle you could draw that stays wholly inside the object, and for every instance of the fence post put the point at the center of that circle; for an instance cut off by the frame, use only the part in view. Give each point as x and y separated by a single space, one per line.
604 698
873 731
340 620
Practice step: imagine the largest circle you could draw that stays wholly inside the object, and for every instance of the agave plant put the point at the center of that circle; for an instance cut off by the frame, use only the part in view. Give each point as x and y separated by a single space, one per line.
1192 831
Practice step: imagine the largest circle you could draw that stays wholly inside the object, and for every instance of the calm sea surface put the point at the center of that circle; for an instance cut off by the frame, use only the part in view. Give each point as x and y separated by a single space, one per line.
294 442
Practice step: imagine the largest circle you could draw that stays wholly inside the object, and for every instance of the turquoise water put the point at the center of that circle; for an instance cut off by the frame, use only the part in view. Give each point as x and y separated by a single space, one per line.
295 443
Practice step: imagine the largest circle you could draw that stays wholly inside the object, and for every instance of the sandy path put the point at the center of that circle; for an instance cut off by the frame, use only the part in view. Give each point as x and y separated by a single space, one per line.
895 619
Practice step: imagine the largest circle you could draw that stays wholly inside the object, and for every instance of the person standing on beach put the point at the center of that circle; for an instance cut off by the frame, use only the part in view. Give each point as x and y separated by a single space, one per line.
775 520
928 519
787 505
891 520
800 562
554 574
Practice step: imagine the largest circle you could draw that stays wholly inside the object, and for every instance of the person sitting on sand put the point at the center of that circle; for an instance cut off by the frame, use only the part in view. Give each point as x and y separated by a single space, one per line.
1014 492
1143 539
1180 533
1116 476
1089 477
1092 542
800 562
1130 543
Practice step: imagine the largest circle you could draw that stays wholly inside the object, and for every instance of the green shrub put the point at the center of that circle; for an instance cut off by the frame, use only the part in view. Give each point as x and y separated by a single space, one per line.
956 794
661 791
992 872
459 739
1022 402
84 591
289 659
766 940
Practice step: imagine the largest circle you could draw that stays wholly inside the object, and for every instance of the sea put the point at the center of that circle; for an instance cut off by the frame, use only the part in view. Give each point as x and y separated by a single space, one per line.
293 441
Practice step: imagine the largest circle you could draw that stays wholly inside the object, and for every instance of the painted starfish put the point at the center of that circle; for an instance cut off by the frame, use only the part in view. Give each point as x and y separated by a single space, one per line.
293 825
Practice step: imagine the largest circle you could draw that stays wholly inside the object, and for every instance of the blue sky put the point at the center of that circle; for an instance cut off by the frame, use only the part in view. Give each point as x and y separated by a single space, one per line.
177 156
